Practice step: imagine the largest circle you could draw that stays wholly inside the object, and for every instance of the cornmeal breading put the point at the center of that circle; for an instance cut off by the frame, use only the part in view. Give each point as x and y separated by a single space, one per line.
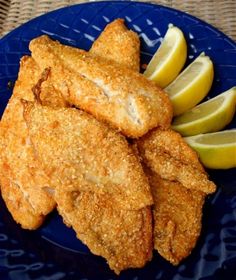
49 95
81 153
19 205
24 185
121 236
166 153
177 215
119 96
179 185
118 44
100 188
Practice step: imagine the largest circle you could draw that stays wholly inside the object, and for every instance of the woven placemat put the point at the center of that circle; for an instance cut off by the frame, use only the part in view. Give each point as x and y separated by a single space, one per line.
221 14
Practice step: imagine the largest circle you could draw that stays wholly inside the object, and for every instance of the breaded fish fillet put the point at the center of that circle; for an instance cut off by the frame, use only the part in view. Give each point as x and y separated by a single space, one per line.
177 215
112 93
118 44
81 153
100 188
24 185
166 153
121 236
179 185
49 95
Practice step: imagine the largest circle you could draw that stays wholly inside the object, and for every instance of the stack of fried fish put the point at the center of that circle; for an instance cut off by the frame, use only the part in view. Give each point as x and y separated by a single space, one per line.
63 144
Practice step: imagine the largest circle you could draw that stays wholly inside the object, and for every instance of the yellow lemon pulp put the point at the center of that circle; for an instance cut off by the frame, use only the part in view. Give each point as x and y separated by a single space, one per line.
192 85
216 150
210 116
169 59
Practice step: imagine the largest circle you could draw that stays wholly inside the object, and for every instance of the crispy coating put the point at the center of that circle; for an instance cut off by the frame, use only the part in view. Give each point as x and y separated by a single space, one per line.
119 96
24 185
79 152
179 186
121 236
118 44
100 188
177 215
166 153
19 205
46 93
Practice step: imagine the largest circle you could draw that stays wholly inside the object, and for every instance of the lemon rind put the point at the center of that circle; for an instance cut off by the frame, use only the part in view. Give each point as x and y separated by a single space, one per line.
227 103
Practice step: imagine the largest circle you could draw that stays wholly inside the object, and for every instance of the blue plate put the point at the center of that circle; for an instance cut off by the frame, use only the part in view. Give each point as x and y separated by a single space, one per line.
53 252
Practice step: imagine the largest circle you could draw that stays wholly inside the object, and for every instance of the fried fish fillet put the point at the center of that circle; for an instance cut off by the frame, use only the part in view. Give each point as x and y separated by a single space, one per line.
78 151
117 95
179 186
118 44
49 95
121 236
167 154
177 215
100 188
24 185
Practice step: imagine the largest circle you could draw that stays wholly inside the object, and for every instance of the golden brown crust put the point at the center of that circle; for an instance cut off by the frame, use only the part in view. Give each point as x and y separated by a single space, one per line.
177 215
119 96
79 152
46 94
118 44
179 185
100 188
121 236
20 172
167 154
19 206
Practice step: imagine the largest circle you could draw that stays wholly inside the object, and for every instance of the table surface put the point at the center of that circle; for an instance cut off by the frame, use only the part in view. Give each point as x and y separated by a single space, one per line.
221 14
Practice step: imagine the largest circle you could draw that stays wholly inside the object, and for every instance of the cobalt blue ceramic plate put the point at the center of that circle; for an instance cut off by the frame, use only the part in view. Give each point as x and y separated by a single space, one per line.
53 252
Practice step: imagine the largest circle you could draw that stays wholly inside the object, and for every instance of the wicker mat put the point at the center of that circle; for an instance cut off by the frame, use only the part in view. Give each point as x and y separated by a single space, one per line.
219 13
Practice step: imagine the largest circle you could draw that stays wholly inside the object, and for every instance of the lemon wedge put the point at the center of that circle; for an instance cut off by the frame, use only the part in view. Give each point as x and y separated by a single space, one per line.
216 150
210 116
192 85
169 59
